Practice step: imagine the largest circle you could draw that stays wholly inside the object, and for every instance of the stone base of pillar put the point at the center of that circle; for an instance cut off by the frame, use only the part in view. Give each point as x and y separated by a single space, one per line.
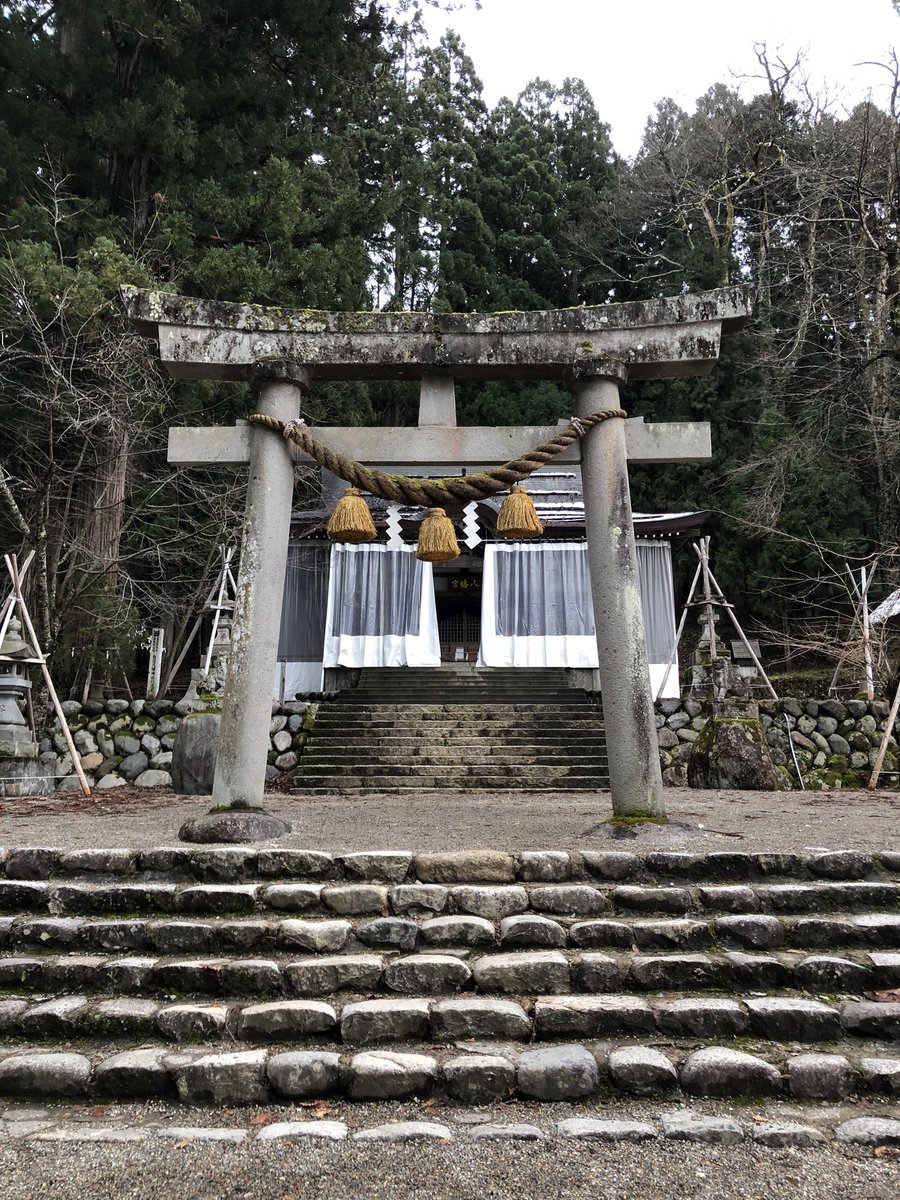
234 825
25 775
657 832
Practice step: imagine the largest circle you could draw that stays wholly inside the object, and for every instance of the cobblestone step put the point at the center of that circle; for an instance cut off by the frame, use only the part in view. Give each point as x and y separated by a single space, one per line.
800 877
512 713
440 968
240 976
249 1007
803 1126
423 918
455 750
479 778
481 1075
859 912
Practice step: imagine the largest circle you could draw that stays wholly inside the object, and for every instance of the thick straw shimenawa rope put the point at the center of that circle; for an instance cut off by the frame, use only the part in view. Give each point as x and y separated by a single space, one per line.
425 492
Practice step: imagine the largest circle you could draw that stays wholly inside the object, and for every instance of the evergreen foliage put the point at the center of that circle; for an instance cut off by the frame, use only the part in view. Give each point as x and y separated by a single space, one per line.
327 156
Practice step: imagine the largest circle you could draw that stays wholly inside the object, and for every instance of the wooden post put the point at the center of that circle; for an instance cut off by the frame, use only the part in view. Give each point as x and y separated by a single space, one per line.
865 580
882 749
703 552
679 632
154 670
13 569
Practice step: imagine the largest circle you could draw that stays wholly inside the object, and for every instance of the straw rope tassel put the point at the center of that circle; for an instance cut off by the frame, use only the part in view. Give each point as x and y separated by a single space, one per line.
437 538
518 517
351 520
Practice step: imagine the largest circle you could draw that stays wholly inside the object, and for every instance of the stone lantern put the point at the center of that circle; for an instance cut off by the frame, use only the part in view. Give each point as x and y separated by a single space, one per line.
16 739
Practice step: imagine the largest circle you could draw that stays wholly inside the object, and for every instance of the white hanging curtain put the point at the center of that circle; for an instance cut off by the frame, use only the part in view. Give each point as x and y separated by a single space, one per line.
537 609
658 603
302 634
381 610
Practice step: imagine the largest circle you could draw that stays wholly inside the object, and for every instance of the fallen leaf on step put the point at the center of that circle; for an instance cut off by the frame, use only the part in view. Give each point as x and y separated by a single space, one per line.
317 1108
184 1142
262 1119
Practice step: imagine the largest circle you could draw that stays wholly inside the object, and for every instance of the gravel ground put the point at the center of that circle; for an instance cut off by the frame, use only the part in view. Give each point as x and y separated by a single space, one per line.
459 1170
457 820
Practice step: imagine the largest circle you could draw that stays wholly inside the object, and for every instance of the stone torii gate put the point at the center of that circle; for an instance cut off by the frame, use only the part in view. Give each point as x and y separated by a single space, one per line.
593 350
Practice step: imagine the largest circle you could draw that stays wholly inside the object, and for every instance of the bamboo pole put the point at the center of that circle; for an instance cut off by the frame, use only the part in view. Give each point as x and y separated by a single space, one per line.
224 573
9 604
679 632
865 580
743 638
882 749
702 552
12 567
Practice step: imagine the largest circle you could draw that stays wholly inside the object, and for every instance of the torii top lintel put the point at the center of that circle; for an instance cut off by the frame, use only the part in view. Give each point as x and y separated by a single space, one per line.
651 339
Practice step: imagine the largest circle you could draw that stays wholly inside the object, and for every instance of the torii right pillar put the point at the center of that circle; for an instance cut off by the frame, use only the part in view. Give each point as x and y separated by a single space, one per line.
635 777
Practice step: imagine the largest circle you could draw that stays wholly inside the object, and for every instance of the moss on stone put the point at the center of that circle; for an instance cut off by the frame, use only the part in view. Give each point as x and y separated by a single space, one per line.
636 819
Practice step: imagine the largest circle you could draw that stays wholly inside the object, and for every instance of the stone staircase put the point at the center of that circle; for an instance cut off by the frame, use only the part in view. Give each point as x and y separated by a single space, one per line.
457 728
275 976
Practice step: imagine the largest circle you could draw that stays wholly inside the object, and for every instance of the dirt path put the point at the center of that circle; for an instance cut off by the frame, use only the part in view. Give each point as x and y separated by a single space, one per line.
506 821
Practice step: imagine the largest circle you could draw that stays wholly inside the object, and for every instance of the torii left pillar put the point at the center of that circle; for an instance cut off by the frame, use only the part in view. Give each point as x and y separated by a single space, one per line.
247 700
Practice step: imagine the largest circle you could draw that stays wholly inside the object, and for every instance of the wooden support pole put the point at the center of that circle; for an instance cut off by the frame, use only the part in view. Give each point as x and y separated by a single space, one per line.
9 605
743 638
224 575
12 567
679 632
703 553
188 642
882 749
865 580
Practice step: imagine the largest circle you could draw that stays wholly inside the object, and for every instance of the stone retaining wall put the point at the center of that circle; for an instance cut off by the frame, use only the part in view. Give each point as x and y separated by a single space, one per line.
835 741
123 742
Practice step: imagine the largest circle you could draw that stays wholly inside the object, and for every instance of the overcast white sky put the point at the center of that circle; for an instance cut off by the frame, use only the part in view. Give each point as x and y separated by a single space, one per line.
632 53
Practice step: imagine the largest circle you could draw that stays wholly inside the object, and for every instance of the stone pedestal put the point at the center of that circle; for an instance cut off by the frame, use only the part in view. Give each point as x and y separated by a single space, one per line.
731 751
26 776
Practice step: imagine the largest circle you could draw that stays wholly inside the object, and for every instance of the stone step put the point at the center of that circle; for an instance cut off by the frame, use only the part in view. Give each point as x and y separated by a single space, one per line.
452 771
510 717
547 738
332 786
553 726
453 1132
452 670
78 896
244 1008
282 967
571 1072
419 755
810 880
480 696
549 742
426 916
500 714
529 779
548 724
